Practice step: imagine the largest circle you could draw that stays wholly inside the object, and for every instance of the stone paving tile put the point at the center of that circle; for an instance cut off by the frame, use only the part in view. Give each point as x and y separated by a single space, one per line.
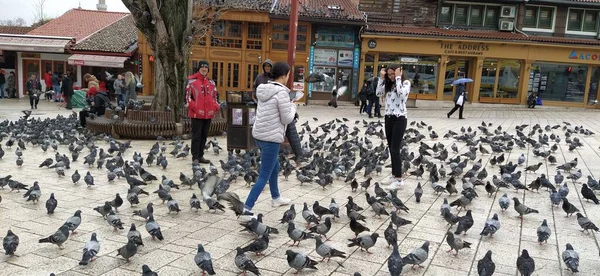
219 232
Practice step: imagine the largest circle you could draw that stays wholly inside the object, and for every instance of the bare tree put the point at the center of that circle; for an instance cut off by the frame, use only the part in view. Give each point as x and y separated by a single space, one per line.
38 11
19 22
170 28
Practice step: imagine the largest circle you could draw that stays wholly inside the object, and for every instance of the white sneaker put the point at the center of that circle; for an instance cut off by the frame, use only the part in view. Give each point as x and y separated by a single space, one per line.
246 216
389 181
281 201
395 185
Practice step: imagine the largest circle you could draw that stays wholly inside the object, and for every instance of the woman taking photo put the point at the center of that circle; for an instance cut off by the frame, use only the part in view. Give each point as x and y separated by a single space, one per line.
273 113
396 88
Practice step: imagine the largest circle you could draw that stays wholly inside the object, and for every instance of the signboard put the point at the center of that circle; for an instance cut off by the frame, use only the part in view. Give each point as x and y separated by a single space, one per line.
77 62
298 86
355 66
345 58
325 57
465 49
409 60
311 59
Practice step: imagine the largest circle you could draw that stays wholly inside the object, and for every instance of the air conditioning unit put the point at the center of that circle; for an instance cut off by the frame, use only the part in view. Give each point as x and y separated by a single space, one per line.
508 11
506 25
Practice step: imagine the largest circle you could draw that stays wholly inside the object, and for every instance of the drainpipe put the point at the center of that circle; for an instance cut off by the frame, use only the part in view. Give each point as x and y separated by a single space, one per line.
519 17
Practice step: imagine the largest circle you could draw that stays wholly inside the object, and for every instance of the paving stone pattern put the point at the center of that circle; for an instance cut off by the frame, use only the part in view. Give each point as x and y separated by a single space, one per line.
220 234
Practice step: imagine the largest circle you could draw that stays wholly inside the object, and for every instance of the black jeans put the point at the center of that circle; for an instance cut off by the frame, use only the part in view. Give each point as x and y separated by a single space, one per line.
82 115
34 100
394 133
363 106
200 128
374 102
460 110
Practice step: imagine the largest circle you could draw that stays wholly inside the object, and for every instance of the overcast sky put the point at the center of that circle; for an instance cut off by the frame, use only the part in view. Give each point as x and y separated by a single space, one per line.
10 9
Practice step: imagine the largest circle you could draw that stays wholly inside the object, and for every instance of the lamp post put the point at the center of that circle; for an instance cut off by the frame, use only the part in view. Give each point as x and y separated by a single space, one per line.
292 40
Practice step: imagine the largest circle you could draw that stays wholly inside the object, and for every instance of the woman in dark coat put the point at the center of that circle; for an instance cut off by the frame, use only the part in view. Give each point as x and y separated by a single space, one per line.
34 88
362 96
459 101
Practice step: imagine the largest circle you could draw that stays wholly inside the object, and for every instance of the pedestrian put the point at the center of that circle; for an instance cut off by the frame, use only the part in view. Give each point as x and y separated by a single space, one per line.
67 88
97 105
10 85
264 77
393 83
373 100
362 97
120 90
48 83
532 100
34 90
273 113
203 103
459 101
56 87
131 85
2 83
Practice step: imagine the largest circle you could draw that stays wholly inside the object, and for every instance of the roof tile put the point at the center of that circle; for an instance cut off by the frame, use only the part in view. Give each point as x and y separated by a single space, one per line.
117 37
14 29
78 23
322 9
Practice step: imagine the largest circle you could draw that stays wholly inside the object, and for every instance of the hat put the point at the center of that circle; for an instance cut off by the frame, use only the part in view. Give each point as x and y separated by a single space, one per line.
203 63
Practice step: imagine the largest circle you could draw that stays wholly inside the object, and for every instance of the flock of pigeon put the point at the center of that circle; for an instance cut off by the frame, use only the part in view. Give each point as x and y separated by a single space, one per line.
338 152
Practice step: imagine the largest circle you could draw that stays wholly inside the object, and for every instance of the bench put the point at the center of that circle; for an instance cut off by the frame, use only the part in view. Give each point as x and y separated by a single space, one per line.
411 103
218 124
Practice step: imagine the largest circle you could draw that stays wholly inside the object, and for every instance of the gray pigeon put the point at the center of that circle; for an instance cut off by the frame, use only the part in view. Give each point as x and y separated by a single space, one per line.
73 222
244 263
417 256
326 251
522 209
195 203
297 235
204 261
491 226
586 224
504 202
90 250
10 243
75 177
322 228
395 262
571 258
364 242
146 271
390 235
299 261
543 232
153 228
464 223
34 193
172 205
146 212
525 264
445 207
456 243
59 237
256 227
114 220
258 246
51 204
485 266
104 209
127 251
418 192
88 179
134 235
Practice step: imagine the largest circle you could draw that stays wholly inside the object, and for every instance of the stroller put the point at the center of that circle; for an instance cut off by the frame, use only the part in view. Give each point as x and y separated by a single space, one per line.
335 92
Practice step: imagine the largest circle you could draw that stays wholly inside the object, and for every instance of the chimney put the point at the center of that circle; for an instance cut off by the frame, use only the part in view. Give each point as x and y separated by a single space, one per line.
101 6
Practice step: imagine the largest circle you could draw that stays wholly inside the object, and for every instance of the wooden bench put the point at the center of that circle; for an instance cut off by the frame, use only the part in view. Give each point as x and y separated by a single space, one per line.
218 124
102 124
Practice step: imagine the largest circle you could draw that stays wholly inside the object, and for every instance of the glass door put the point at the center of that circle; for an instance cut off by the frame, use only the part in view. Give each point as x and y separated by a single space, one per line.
344 78
500 81
455 69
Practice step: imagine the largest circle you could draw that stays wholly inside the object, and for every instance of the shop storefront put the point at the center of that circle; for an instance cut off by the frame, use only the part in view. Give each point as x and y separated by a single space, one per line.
502 72
335 54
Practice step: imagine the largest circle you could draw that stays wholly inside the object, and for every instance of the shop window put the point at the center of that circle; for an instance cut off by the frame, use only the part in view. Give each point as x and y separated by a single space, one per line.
227 34
538 17
488 78
280 37
254 40
508 78
469 15
299 77
73 70
594 82
368 65
421 71
558 82
580 20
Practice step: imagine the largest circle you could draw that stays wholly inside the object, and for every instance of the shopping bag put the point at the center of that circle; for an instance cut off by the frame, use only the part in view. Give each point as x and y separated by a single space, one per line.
539 101
460 100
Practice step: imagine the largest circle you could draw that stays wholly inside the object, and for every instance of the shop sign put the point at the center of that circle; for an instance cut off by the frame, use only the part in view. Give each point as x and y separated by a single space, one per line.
583 56
325 57
78 62
464 49
372 43
345 58
409 60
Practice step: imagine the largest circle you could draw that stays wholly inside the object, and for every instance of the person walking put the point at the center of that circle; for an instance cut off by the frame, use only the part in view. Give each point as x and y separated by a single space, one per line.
2 83
264 77
33 90
274 112
362 96
202 100
48 83
459 101
394 85
373 100
67 89
10 85
120 90
131 85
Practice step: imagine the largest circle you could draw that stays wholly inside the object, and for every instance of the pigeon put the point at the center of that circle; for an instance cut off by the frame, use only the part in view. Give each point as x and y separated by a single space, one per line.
134 235
326 251
418 192
51 204
309 216
114 220
172 205
256 227
464 223
569 208
146 212
59 237
334 208
490 189
90 250
571 258
258 246
586 224
456 243
522 209
588 194
204 261
127 251
357 228
364 242
296 234
75 177
491 226
444 208
395 262
73 222
323 228
10 243
390 235
299 261
543 232
244 263
195 203
146 271
417 256
117 202
485 266
289 215
153 228
88 179
34 193
104 209
525 264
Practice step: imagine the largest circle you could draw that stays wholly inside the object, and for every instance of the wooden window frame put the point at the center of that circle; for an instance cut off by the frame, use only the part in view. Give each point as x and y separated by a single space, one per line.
282 39
253 42
225 37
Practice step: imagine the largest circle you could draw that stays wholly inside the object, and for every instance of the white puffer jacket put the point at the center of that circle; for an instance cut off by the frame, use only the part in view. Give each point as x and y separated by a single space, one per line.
274 112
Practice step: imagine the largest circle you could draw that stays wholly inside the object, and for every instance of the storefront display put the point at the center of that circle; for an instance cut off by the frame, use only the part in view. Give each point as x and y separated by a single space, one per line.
559 82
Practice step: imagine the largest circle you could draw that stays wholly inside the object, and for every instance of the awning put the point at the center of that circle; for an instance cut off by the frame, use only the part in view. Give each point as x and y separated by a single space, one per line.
33 44
98 61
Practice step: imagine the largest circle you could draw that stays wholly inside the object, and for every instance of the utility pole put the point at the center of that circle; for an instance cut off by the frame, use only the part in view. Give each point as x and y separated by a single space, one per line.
292 40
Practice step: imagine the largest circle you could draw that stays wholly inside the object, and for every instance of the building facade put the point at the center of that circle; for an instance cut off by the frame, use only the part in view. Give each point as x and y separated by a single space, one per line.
509 49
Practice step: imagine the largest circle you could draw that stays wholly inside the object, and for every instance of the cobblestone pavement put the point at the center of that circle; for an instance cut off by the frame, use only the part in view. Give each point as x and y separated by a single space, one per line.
220 233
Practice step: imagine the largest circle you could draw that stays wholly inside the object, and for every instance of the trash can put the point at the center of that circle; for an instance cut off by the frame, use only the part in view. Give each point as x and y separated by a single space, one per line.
241 111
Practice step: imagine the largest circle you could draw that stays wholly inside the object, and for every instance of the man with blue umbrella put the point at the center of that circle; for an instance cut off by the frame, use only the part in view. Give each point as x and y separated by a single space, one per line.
460 97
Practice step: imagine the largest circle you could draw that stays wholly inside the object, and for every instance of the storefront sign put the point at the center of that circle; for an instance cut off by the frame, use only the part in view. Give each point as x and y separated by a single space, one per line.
372 43
345 58
30 55
325 57
311 62
355 65
464 49
583 56
77 62
335 36
409 60
298 86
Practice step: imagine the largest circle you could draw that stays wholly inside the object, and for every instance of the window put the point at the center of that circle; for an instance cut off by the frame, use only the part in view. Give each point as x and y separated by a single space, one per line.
254 41
558 81
580 20
280 37
227 34
233 74
252 74
469 15
539 17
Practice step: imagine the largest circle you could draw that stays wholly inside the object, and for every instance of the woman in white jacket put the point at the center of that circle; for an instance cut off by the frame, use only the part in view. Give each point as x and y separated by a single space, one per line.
394 85
273 113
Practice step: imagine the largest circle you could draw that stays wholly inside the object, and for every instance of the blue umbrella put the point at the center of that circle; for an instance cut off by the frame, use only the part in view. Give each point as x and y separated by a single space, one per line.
462 80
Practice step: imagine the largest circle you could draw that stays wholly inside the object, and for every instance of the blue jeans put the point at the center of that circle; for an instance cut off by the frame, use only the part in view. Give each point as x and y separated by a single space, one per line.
269 171
56 89
2 90
120 98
